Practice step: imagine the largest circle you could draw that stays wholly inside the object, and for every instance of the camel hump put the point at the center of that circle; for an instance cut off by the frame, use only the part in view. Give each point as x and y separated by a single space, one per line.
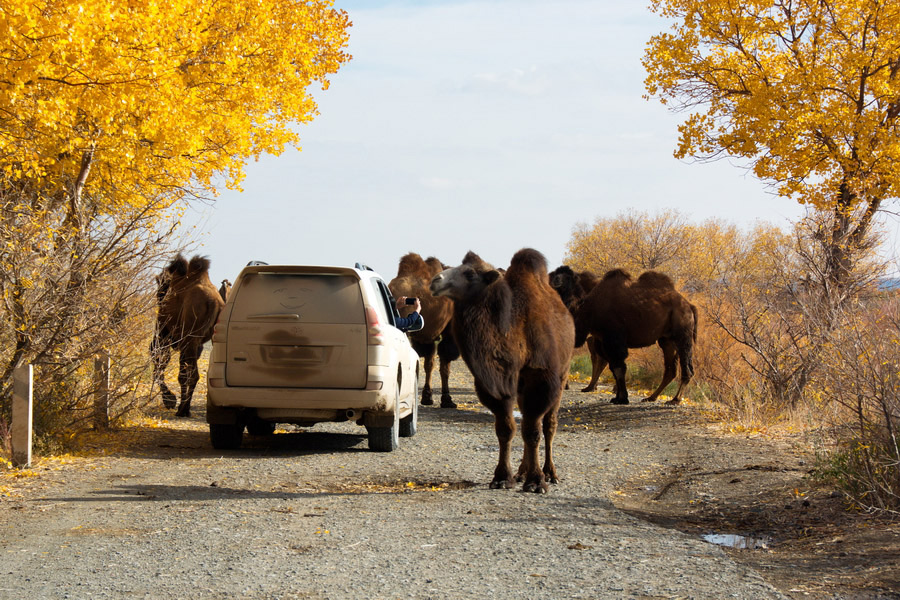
527 260
198 265
617 274
410 263
435 266
178 266
656 279
587 280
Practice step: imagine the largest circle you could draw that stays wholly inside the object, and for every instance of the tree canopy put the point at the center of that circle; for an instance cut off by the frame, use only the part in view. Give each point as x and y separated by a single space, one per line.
122 100
807 91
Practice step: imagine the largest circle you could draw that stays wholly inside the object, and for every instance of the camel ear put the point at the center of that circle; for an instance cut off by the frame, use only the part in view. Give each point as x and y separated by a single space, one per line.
490 277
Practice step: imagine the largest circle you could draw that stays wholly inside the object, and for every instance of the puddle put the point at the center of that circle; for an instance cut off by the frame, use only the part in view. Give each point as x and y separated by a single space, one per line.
738 542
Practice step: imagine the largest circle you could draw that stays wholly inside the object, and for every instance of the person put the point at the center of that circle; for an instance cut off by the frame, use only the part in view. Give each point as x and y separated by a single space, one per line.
413 321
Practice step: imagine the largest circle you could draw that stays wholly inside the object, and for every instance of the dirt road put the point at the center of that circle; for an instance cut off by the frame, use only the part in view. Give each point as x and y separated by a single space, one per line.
155 512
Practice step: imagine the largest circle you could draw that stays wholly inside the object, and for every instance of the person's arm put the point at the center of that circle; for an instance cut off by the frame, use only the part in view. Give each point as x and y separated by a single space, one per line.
413 321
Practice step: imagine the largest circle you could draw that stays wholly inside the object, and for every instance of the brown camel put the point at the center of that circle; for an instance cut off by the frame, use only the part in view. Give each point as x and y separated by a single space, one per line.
413 277
516 337
188 305
572 287
224 289
622 313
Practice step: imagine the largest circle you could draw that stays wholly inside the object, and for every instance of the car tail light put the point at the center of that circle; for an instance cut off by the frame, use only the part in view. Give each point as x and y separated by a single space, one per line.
373 327
218 334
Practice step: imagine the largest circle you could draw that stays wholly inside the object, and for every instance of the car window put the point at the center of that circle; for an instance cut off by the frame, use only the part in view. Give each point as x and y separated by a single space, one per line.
384 300
315 297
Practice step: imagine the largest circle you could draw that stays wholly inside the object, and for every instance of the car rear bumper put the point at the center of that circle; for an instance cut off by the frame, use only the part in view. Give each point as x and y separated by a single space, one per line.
377 396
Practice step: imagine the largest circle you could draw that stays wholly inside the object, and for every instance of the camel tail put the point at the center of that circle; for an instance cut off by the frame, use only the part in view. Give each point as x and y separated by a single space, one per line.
696 321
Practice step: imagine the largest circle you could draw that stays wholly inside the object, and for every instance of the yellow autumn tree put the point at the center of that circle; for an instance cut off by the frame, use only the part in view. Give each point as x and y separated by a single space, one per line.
808 92
123 100
112 112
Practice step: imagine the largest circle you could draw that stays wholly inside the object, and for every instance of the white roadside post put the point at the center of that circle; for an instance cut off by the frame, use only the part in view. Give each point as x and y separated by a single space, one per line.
23 398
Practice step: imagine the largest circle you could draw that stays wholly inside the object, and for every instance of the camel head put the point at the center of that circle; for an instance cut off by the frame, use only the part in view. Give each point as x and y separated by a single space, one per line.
464 281
564 281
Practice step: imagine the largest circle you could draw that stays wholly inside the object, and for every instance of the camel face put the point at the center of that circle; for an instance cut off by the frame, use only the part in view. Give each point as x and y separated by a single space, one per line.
459 283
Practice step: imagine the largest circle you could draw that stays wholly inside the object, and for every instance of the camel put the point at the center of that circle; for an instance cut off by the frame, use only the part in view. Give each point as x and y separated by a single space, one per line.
572 288
413 277
188 305
224 289
517 337
622 313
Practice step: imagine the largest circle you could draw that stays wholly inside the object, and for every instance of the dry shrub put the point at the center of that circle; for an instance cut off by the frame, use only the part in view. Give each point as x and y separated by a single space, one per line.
863 381
73 296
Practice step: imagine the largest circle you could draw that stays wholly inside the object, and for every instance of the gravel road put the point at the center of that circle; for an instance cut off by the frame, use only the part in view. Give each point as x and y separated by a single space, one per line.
313 514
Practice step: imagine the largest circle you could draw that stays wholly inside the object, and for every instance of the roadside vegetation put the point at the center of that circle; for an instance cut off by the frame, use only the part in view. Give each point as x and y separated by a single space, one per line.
114 116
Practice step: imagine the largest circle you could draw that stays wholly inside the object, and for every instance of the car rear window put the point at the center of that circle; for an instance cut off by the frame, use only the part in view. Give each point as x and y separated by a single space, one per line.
315 298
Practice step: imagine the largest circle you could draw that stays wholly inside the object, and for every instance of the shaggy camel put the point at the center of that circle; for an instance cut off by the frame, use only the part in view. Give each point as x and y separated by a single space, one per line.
572 288
621 314
188 305
412 280
516 337
224 289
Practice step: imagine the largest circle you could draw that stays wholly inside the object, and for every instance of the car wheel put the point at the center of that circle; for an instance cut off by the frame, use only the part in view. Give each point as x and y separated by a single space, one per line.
386 439
226 436
409 424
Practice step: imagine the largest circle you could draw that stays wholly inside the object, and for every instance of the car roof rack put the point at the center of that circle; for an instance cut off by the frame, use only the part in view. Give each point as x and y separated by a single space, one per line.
257 263
363 267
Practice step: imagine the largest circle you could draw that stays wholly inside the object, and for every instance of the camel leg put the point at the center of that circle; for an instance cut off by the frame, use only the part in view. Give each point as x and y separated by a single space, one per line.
448 352
539 397
615 350
188 376
668 348
505 427
426 389
685 356
551 419
426 351
529 471
161 353
598 363
446 400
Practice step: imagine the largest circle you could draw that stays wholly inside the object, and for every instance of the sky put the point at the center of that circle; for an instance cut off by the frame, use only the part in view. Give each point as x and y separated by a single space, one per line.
488 125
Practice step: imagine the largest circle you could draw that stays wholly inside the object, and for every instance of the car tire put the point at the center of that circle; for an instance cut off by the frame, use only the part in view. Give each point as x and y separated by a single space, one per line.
226 436
386 439
409 424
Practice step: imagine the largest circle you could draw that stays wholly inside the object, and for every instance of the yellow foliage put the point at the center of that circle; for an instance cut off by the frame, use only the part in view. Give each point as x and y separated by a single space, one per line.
156 98
808 92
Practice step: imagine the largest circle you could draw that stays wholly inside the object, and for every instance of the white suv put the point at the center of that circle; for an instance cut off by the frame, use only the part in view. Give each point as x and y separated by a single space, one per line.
309 344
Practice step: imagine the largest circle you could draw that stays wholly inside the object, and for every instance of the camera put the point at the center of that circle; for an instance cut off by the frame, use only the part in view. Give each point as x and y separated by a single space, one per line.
411 301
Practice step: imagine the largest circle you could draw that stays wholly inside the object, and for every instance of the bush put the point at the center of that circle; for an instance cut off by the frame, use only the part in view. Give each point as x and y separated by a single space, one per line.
863 380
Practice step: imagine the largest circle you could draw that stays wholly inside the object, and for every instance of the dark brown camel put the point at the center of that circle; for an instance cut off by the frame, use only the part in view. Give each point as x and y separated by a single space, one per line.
516 337
224 289
572 288
622 313
188 305
413 277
